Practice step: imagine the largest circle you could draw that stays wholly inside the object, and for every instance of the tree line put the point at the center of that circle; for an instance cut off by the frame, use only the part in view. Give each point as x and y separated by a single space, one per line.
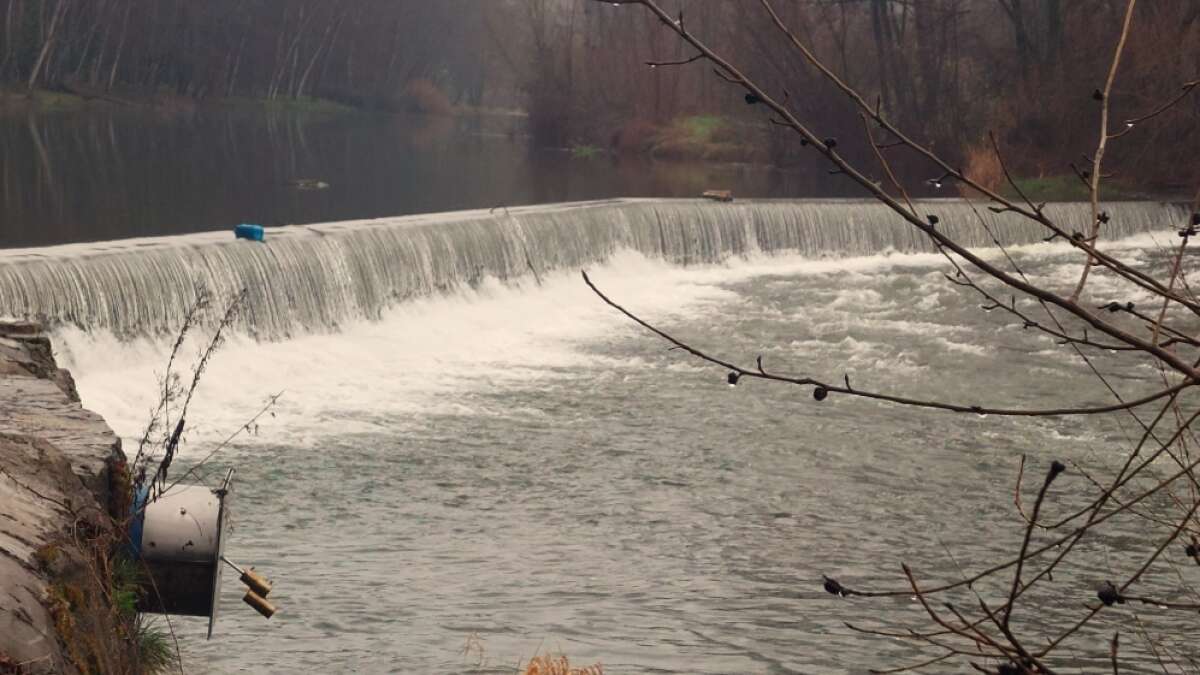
951 71
356 51
1014 67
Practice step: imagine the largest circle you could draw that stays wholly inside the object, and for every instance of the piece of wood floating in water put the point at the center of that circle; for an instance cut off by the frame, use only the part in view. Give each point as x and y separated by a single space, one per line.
718 195
308 184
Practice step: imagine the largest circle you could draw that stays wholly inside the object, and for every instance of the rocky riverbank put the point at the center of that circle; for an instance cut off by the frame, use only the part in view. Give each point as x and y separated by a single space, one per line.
62 474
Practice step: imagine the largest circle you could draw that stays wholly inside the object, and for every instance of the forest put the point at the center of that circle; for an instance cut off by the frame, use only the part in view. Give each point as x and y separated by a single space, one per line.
950 71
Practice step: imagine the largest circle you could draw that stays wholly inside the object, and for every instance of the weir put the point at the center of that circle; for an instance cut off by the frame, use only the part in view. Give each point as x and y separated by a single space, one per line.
308 278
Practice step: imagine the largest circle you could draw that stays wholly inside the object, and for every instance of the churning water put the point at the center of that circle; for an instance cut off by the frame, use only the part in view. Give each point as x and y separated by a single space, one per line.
474 459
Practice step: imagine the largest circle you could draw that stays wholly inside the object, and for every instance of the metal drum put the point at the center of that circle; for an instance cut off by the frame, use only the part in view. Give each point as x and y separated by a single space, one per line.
181 544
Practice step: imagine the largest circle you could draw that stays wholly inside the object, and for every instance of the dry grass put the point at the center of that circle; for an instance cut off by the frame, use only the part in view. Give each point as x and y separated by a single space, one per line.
636 135
424 96
983 167
559 665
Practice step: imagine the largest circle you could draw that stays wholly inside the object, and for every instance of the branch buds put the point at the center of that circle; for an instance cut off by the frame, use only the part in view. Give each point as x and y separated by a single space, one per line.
1109 595
832 587
1056 467
1021 666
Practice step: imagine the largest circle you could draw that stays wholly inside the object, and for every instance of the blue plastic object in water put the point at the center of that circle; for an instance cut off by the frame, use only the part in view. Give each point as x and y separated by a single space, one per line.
251 232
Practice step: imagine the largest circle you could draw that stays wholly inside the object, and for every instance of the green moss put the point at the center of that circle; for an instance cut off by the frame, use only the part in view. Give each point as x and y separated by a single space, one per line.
41 100
700 127
126 584
585 151
304 104
63 600
55 100
45 556
705 137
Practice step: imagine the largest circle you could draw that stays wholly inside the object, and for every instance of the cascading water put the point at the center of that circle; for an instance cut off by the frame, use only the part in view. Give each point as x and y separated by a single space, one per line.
313 278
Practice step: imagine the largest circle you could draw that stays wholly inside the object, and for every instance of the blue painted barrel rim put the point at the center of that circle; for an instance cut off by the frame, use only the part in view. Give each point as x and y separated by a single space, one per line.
139 519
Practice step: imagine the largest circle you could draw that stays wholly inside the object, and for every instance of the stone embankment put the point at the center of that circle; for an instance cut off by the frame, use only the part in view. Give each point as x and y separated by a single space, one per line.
60 485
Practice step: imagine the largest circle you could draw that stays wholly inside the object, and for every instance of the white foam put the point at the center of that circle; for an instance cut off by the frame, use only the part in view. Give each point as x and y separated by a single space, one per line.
429 356
962 348
422 358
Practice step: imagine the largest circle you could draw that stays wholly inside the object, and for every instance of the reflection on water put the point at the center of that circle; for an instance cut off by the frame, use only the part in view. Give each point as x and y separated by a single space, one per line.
104 174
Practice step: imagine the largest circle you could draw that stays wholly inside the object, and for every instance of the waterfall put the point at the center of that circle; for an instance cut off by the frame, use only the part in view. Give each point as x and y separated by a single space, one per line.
315 277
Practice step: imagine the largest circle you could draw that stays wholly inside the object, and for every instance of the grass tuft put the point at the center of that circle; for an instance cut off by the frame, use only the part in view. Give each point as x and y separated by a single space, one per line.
585 151
156 654
1065 188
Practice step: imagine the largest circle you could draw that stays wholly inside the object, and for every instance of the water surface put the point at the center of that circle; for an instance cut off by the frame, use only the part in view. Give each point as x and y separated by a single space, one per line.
514 466
99 174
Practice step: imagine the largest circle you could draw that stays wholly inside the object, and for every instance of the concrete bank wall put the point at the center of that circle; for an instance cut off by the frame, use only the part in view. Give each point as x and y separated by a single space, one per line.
57 464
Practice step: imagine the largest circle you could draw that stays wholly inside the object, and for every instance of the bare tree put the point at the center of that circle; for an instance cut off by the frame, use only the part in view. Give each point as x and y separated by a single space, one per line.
1157 481
48 43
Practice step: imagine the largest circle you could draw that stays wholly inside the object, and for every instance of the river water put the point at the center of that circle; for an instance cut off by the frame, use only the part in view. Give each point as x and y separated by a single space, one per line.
474 460
511 467
116 172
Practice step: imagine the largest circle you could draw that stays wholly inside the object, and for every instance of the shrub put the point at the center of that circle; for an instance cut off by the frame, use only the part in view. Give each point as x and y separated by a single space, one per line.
423 96
982 166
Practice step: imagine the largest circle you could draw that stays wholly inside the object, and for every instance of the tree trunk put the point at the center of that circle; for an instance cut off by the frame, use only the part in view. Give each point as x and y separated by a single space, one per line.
112 73
237 64
327 39
48 45
9 38
931 44
91 37
94 77
882 52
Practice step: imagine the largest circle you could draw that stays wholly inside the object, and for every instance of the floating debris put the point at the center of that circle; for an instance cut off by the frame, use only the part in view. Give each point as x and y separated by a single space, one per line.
251 232
308 184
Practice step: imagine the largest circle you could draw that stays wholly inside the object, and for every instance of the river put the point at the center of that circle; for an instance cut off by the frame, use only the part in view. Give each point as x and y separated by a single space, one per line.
512 467
117 172
474 459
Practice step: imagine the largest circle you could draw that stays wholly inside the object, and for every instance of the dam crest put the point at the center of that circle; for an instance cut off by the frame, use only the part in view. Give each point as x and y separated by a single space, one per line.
314 278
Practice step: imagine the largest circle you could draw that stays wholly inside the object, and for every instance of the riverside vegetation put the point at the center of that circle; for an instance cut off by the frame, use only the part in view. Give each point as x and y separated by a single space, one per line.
968 66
